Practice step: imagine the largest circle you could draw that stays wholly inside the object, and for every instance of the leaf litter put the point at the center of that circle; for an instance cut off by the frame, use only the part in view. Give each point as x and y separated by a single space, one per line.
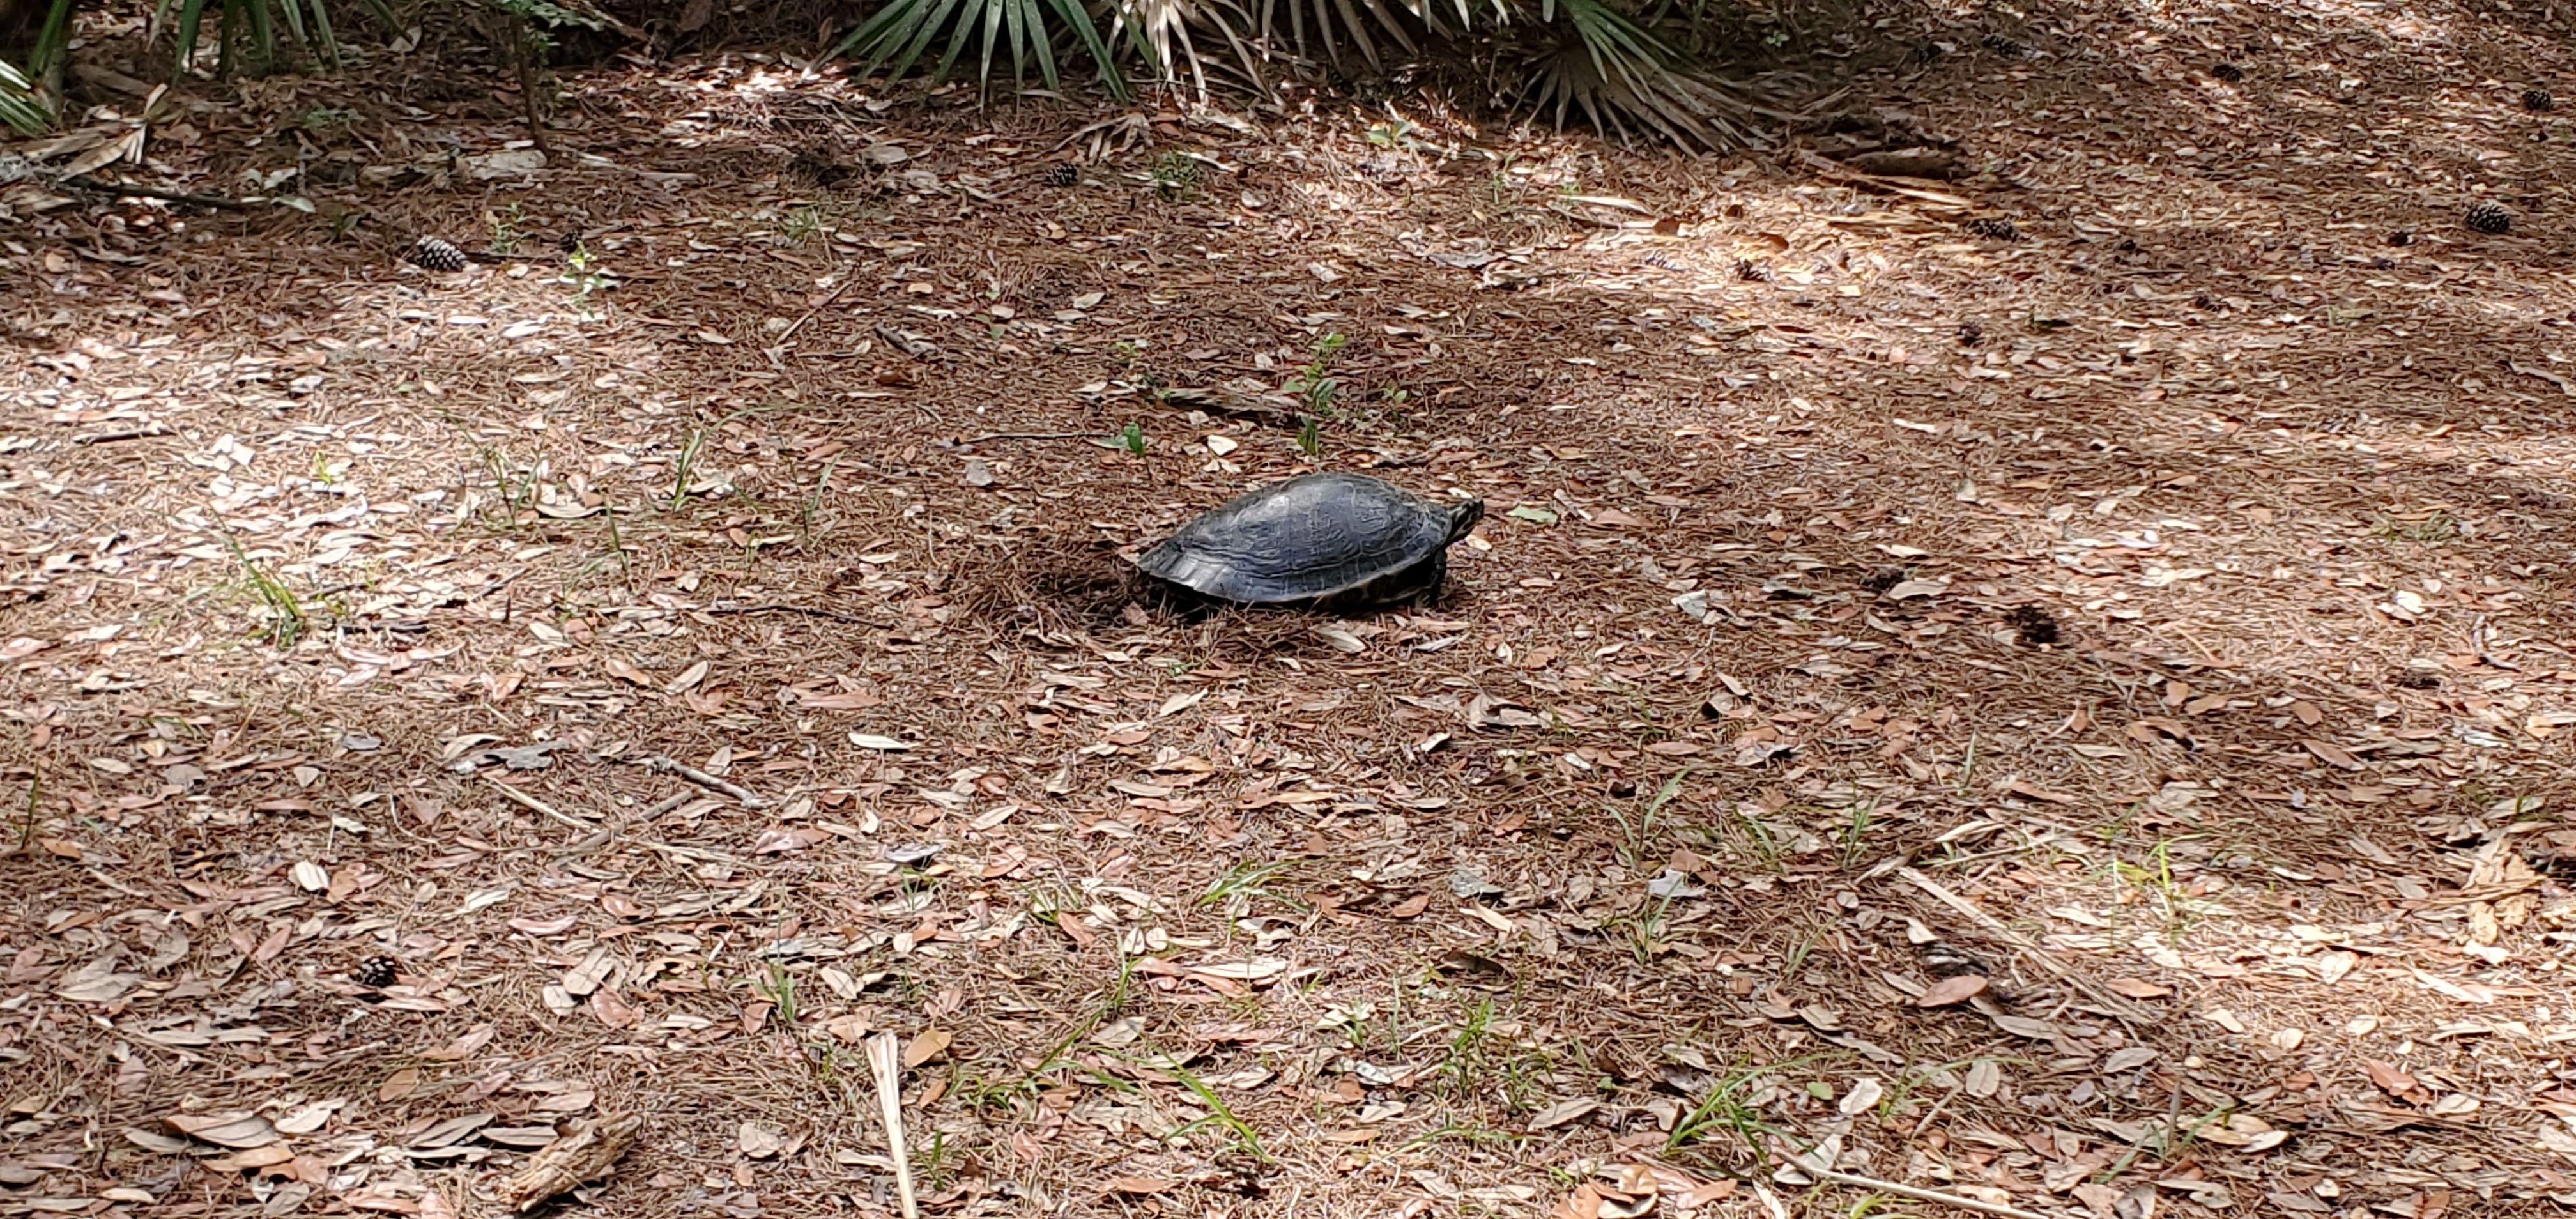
1594 889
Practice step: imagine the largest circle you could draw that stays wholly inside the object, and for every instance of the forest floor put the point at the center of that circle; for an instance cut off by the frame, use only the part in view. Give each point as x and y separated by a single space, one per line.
2073 718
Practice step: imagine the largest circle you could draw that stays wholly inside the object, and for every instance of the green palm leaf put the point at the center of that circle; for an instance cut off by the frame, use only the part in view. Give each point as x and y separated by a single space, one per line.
19 106
897 35
1625 82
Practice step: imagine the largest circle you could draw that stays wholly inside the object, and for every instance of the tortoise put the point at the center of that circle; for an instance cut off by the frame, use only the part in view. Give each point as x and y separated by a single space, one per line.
1329 541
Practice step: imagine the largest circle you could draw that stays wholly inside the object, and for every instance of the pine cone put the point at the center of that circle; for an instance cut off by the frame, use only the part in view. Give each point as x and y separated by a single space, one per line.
433 254
377 972
1065 173
814 170
2489 217
2007 48
1993 228
2227 72
2032 624
2538 100
1752 272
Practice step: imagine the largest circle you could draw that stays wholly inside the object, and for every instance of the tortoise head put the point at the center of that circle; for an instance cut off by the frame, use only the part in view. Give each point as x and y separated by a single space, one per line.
1462 520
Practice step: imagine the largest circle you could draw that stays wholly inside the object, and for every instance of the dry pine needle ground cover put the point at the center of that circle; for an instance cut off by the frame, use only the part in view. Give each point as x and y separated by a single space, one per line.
2072 716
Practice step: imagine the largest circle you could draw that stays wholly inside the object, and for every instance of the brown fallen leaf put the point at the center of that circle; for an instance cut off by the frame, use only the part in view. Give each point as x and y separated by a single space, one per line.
463 1047
1138 1185
928 1044
2137 989
759 1140
2390 1078
585 1154
2036 792
612 1011
239 1131
400 1084
252 1160
1583 1203
1906 163
2332 755
1702 1195
1562 1112
777 840
28 966
1956 989
1410 906
386 1203
2144 731
627 671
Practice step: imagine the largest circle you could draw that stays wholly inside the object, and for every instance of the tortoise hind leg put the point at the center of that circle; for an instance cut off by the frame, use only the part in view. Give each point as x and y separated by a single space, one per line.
1434 574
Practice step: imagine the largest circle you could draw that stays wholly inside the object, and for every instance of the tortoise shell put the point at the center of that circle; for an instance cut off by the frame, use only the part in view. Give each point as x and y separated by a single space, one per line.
1329 539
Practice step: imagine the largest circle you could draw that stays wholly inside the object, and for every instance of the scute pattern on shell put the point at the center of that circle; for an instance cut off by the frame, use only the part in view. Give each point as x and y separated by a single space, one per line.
1312 538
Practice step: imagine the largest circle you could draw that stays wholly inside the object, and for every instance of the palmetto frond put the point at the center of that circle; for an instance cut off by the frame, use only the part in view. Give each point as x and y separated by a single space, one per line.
307 21
19 107
1596 61
1159 31
1581 58
899 34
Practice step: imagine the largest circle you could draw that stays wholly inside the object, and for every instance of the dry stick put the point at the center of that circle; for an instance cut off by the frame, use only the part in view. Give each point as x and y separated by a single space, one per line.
534 803
807 610
686 852
2113 1004
104 879
135 433
1937 1107
799 324
667 803
885 1060
1029 436
749 798
528 86
1920 1194
124 191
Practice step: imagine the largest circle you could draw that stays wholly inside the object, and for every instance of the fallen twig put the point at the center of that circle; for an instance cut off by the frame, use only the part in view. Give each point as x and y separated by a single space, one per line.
1029 436
885 1060
1235 405
2113 1004
807 610
586 1154
1921 1194
124 191
132 433
748 797
667 803
537 804
917 348
799 324
691 853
